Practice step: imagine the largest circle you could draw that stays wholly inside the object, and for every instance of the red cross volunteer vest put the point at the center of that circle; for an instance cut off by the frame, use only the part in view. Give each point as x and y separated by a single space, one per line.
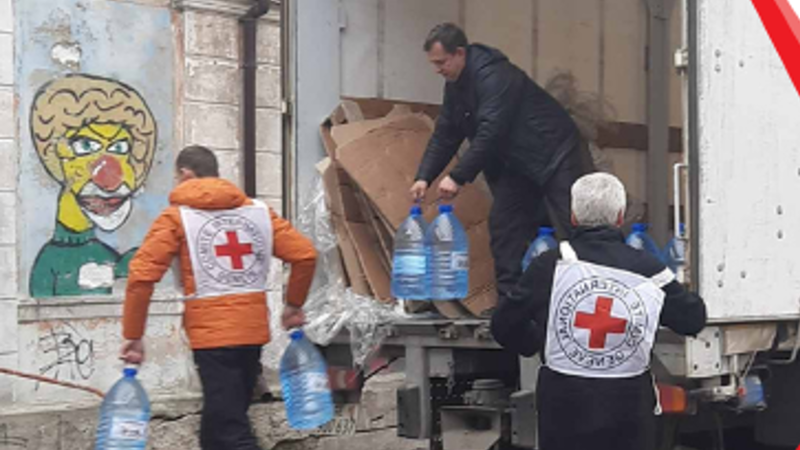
602 321
230 250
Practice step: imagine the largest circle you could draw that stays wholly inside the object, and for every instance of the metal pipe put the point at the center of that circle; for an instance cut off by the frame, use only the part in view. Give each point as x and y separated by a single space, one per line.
658 118
677 232
249 68
41 379
287 113
676 193
692 8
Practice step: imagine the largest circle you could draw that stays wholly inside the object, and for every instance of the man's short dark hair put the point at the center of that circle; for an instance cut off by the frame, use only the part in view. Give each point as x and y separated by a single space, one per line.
449 35
199 160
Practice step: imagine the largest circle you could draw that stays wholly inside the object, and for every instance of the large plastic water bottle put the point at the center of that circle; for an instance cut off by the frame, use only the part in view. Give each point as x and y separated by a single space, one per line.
675 251
544 241
640 240
409 266
304 379
124 415
448 256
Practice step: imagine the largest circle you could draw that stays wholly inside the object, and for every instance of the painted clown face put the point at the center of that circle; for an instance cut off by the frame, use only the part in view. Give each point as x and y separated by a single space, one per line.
96 137
98 172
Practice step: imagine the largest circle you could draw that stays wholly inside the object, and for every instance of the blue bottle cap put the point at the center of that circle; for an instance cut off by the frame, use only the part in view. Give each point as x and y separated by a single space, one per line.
682 229
445 208
416 210
639 227
297 335
129 372
546 231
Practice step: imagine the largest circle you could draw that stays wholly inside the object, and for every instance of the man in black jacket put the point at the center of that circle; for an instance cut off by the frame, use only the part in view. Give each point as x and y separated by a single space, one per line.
592 308
521 138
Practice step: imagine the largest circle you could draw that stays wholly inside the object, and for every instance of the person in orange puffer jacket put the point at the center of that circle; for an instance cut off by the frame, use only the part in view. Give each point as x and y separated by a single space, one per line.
224 241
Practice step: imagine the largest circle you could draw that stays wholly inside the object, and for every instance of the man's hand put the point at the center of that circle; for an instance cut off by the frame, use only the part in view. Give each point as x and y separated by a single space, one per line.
293 317
132 352
418 190
448 188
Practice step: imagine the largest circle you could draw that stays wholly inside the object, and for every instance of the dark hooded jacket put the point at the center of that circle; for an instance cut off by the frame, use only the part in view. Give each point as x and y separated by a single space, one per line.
509 120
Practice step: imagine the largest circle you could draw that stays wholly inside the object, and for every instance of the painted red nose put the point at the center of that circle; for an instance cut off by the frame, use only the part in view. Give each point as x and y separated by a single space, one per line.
107 173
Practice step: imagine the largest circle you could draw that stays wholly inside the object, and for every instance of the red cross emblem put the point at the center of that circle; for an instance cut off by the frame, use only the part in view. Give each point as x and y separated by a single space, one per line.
601 323
234 250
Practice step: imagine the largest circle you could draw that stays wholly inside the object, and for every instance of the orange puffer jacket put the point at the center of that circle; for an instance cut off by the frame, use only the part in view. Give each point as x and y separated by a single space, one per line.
225 321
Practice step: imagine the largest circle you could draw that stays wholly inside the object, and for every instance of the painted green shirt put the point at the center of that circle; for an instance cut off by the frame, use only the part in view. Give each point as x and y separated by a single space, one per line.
57 269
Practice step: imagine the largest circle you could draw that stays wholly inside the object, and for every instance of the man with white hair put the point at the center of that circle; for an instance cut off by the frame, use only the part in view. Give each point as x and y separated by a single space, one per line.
592 308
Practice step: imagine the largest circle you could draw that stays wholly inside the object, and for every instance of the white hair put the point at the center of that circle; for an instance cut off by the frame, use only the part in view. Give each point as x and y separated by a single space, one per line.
598 199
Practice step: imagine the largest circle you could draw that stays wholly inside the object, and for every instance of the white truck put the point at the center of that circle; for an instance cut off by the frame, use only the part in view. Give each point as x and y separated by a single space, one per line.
699 76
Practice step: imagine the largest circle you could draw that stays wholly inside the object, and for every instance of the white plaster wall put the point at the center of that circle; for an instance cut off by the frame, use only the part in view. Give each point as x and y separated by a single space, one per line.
80 343
8 203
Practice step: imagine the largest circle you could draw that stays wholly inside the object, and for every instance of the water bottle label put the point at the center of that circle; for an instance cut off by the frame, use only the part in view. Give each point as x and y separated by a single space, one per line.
410 265
129 429
460 261
315 383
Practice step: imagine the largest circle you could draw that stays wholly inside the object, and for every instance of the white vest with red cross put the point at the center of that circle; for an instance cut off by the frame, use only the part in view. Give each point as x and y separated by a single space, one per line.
230 250
602 321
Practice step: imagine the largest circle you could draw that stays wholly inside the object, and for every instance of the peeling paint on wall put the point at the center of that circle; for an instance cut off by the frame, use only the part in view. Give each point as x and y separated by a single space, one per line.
67 54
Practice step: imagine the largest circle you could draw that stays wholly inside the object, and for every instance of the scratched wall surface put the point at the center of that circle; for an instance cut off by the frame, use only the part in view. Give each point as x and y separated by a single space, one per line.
80 349
95 87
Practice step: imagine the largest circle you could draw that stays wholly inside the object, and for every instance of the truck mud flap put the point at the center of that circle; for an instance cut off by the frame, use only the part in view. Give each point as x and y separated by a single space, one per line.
408 417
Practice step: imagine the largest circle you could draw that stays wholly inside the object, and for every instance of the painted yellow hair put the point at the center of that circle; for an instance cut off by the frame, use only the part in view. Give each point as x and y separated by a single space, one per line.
78 100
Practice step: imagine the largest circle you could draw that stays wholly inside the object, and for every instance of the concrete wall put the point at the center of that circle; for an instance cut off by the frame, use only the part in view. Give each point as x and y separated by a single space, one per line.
212 91
178 67
8 186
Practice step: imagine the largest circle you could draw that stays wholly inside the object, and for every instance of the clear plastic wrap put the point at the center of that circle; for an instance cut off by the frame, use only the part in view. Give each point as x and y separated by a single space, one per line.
331 307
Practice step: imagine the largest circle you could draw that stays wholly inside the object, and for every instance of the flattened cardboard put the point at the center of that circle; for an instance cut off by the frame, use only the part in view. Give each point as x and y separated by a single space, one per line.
352 111
352 264
367 274
375 108
327 140
482 296
377 276
349 132
361 255
375 225
383 163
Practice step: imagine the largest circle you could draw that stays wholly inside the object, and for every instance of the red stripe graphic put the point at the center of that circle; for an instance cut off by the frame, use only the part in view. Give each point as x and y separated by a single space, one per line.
783 27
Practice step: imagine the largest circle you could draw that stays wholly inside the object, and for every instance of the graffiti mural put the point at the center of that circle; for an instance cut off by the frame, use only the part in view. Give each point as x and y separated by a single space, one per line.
67 354
96 138
96 106
9 441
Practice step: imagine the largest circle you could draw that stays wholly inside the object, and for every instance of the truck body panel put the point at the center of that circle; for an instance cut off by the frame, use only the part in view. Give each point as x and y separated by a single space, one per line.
749 171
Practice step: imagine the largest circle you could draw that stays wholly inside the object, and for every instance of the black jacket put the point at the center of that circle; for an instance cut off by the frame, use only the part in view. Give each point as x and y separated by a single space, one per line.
587 405
519 322
507 118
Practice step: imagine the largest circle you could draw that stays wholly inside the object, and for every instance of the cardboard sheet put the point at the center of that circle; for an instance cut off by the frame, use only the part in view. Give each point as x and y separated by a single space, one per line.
383 162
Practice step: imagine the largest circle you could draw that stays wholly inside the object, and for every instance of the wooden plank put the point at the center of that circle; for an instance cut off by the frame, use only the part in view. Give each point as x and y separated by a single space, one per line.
634 136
